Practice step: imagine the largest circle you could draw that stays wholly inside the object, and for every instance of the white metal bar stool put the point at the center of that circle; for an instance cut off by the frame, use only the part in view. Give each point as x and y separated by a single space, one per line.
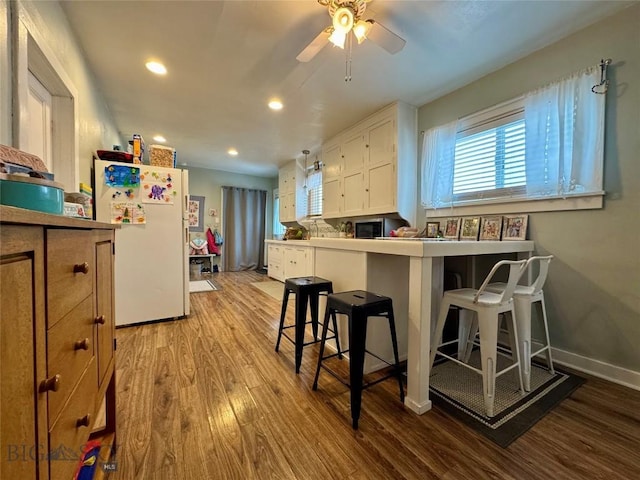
524 296
484 309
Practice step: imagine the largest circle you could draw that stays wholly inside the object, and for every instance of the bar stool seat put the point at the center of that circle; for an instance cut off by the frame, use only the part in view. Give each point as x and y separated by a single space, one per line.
307 291
358 306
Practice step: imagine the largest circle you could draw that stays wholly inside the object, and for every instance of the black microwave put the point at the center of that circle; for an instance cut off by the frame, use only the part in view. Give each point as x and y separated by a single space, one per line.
379 227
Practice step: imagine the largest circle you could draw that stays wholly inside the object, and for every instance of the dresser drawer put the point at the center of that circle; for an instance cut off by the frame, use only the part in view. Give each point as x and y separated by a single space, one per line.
69 434
70 271
70 347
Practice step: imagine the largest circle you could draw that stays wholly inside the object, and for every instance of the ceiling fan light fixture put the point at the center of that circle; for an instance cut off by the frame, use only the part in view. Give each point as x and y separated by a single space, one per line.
338 38
343 20
362 29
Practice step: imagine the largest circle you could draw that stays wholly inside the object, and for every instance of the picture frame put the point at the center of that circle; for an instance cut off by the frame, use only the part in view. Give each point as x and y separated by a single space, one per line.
196 213
433 229
514 227
491 228
451 228
470 228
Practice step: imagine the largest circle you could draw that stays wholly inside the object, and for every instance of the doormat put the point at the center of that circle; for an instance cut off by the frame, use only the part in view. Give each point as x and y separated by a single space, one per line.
196 286
458 391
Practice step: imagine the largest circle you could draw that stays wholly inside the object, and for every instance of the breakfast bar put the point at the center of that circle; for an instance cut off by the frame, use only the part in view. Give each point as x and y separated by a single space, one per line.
410 271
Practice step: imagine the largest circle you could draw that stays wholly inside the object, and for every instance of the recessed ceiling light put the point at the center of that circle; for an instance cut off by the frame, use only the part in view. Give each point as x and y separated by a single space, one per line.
275 104
233 152
156 67
159 138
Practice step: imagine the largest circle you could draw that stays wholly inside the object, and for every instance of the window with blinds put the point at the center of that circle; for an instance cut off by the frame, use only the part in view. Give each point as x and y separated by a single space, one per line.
546 147
278 228
314 192
489 159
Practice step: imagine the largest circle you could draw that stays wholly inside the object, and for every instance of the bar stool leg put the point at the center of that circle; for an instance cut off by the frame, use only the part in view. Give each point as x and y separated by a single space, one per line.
357 344
283 312
313 305
301 317
325 327
394 343
335 332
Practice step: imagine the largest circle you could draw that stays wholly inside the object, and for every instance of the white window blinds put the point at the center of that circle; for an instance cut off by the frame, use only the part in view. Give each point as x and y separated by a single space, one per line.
550 143
314 192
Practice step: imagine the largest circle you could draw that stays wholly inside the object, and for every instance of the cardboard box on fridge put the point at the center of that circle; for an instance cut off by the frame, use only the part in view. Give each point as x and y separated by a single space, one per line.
138 148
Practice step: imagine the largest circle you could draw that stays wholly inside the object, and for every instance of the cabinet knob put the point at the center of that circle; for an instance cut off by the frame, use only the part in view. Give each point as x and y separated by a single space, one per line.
82 344
81 268
84 421
366 189
50 384
366 146
101 320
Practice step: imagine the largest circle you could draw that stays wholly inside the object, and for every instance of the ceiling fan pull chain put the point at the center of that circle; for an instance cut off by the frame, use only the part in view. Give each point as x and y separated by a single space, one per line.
347 66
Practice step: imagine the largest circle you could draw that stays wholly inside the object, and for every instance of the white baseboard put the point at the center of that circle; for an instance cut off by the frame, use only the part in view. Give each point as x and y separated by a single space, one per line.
606 371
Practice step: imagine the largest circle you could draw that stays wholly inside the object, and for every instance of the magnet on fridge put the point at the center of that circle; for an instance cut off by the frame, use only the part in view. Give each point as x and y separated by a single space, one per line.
213 212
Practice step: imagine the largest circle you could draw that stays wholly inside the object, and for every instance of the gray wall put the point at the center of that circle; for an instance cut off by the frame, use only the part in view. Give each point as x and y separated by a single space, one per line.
208 183
593 288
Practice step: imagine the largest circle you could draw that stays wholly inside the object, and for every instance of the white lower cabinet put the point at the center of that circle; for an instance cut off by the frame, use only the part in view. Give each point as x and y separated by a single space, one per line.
289 261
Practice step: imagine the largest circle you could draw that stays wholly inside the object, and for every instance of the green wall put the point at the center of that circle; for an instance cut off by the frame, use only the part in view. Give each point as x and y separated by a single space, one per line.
593 288
208 183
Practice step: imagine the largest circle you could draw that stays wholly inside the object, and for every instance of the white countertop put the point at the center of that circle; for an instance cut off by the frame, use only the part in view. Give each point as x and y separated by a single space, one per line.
289 242
424 247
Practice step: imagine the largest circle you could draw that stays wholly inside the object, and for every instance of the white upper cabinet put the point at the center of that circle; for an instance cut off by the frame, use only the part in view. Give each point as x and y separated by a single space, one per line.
373 166
293 201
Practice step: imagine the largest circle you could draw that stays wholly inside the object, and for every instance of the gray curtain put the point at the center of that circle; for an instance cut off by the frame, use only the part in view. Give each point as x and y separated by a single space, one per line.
244 225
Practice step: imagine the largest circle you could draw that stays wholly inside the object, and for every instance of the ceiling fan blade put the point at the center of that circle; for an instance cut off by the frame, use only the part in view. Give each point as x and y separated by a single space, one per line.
314 47
385 38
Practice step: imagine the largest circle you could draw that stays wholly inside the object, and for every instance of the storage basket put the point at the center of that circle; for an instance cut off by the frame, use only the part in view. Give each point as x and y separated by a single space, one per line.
161 156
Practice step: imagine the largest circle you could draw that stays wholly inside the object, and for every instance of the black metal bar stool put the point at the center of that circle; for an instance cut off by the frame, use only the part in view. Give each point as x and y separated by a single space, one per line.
358 305
308 291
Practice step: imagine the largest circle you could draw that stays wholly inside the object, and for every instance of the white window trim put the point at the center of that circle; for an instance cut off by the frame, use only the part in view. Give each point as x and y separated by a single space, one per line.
33 53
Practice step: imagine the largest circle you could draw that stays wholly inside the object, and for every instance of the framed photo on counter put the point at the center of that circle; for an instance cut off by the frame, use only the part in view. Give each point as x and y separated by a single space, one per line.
491 228
451 229
514 227
470 228
432 229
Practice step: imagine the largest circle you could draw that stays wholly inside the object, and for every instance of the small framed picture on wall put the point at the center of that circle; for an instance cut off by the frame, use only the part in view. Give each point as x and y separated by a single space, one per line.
491 228
451 229
470 228
514 227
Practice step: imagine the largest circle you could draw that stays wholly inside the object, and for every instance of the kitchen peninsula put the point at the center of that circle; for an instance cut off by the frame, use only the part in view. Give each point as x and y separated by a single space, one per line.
410 271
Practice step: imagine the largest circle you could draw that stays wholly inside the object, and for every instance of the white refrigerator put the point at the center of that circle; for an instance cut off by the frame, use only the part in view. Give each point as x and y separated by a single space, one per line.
151 246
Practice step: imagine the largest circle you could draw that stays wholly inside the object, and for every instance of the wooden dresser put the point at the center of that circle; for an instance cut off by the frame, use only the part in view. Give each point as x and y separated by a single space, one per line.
57 331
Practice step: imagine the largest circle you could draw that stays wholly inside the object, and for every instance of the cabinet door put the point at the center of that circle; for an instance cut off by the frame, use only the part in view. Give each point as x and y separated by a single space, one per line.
296 263
353 193
104 318
23 409
380 143
332 199
353 153
332 161
288 207
287 178
381 191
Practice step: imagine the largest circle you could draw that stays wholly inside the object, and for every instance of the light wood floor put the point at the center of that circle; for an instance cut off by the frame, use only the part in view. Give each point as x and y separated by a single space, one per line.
208 398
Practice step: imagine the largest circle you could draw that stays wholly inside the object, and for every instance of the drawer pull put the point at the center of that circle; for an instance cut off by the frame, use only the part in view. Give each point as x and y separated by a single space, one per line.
82 344
84 421
50 384
81 268
101 320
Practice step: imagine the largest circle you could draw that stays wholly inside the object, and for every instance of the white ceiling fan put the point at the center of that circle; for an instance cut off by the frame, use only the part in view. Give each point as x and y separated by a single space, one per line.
347 18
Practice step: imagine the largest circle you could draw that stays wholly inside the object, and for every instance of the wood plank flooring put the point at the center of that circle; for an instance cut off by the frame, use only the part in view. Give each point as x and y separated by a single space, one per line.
207 397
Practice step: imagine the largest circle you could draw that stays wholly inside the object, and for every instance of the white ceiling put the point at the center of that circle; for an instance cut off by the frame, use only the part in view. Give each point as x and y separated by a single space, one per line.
226 59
